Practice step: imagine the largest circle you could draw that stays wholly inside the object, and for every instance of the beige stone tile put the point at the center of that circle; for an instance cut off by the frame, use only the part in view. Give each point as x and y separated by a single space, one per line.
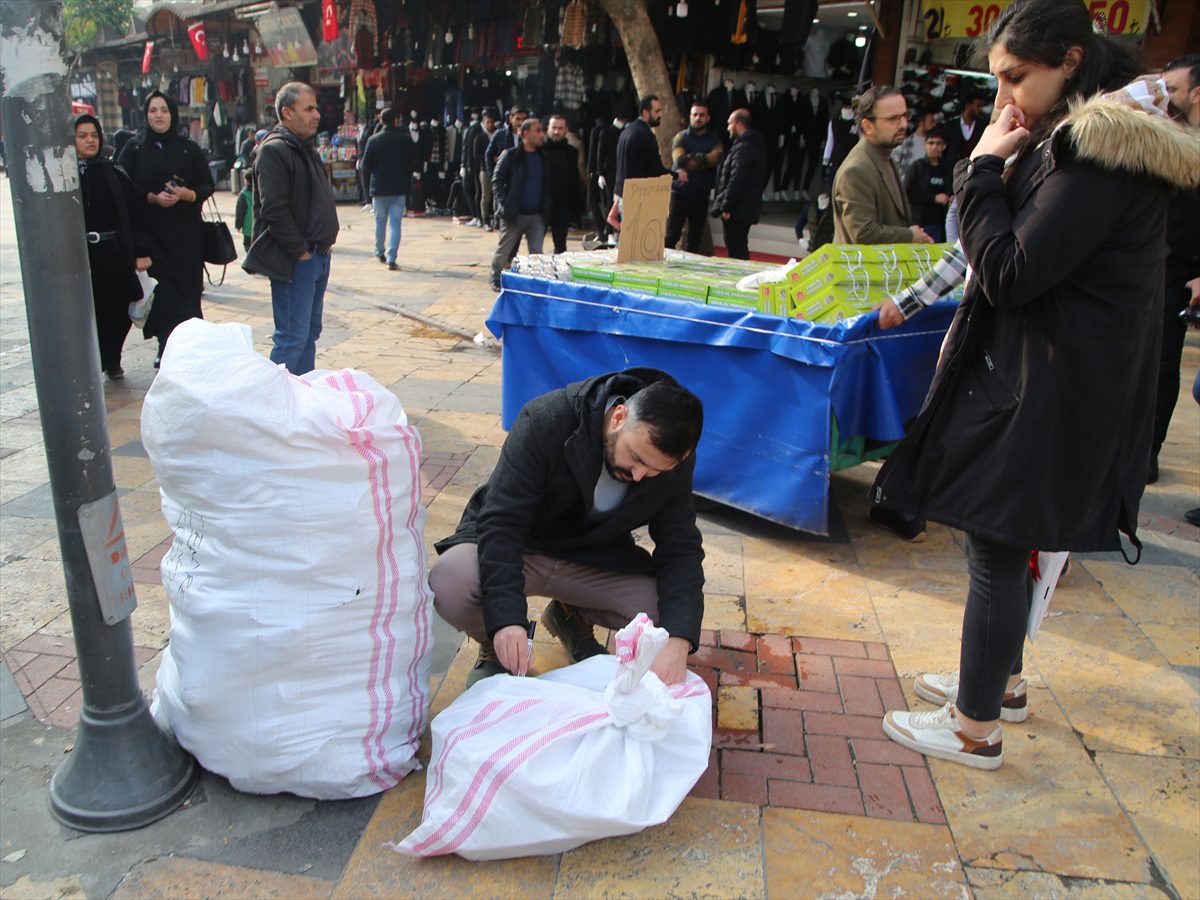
178 876
1090 662
1079 592
1161 797
26 887
27 466
1046 808
823 614
830 855
151 620
920 613
132 471
455 681
375 870
32 593
709 848
877 548
723 564
18 436
28 538
1162 600
724 611
145 527
11 489
1000 884
778 566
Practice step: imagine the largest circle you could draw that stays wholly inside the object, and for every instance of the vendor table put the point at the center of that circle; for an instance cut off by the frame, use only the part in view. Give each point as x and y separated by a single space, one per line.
785 401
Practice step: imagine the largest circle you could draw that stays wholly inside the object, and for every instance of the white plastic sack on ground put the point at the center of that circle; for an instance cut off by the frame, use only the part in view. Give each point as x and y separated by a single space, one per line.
526 766
300 610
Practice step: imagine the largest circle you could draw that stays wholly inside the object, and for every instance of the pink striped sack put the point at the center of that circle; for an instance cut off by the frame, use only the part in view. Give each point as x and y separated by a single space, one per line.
300 610
525 766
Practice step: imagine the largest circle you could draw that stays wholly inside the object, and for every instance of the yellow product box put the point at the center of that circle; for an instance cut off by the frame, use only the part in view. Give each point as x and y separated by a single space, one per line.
592 274
774 298
816 308
720 295
683 288
857 255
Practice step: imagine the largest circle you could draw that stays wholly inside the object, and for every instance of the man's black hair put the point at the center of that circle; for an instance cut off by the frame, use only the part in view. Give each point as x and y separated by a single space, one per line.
520 110
673 416
937 132
647 103
1191 62
388 117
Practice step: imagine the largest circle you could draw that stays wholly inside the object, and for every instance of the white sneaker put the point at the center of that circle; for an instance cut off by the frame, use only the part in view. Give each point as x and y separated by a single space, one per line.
942 689
936 733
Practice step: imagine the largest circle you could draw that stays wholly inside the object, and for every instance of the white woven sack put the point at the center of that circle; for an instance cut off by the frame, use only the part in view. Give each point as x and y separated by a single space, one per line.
525 766
300 609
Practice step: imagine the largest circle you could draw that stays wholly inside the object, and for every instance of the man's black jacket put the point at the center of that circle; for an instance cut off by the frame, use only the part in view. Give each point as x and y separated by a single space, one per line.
638 156
508 184
540 495
387 163
564 176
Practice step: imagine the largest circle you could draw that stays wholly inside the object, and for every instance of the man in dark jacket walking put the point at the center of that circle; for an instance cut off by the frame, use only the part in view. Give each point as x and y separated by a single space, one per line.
738 196
581 469
476 152
387 166
295 227
524 200
697 150
565 186
506 138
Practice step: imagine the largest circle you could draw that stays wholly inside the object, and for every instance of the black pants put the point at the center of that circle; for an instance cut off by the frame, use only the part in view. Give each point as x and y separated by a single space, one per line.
737 239
600 201
560 224
1175 299
689 209
994 623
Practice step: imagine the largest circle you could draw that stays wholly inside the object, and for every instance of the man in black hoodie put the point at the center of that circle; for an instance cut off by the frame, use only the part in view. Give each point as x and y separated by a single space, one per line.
737 199
582 468
295 227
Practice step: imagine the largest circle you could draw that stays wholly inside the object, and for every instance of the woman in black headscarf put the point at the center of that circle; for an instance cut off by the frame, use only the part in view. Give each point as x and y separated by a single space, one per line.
117 246
172 179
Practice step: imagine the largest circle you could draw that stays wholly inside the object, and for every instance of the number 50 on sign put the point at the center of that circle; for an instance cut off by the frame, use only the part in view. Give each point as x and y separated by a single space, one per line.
972 18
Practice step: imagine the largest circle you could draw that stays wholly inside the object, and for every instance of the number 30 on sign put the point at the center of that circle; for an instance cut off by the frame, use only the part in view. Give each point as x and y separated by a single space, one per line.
972 18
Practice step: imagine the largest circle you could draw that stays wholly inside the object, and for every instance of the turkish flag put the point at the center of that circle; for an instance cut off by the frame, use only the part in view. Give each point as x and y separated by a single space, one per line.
147 54
199 41
329 19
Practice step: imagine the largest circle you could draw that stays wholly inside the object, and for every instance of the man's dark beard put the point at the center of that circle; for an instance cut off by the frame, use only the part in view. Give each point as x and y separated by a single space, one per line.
610 454
1176 113
653 122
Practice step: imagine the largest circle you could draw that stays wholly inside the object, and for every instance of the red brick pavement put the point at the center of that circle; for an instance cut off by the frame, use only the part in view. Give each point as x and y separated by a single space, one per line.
820 743
44 666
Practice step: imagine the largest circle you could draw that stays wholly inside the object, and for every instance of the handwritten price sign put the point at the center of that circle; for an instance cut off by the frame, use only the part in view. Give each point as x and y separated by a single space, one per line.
972 18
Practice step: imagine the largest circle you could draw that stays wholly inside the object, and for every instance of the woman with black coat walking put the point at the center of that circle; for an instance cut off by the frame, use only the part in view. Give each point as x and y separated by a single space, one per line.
1035 433
117 246
172 179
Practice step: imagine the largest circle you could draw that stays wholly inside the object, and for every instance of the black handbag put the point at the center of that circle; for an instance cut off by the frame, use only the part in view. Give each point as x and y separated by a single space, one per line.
216 242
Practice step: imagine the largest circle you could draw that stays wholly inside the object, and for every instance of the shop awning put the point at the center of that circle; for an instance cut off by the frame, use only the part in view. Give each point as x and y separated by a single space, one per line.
158 20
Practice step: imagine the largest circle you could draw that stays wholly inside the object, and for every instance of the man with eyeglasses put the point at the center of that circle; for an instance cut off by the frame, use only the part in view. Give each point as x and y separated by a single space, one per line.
869 202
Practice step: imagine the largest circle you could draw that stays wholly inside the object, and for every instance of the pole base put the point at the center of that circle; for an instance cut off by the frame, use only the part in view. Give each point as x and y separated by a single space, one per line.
124 772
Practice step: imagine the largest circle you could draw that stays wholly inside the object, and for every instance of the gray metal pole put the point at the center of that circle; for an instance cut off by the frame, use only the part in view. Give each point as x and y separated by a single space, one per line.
124 771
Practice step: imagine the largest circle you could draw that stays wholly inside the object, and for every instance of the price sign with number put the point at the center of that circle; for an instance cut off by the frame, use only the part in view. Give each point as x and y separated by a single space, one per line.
972 18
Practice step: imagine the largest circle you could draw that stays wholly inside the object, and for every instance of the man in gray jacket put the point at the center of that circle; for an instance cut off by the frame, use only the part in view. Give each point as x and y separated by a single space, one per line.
295 227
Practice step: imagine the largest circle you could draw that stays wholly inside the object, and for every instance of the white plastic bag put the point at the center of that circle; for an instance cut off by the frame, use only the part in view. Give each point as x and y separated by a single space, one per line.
526 766
774 275
139 310
1049 568
300 610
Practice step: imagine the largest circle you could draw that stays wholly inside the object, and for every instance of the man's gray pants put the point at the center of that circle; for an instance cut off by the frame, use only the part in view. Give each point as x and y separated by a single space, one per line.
608 599
531 227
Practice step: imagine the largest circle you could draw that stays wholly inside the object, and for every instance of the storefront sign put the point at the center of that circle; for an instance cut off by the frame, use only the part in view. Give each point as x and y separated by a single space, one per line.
972 18
147 55
286 39
199 41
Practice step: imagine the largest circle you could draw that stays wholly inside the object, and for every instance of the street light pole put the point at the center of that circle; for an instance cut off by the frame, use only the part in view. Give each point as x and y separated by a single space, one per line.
124 772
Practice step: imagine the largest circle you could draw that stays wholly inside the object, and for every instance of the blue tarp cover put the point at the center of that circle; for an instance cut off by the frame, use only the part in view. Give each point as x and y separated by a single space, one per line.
768 384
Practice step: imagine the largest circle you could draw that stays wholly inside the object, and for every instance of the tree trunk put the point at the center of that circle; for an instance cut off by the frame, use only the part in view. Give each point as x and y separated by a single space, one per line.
650 75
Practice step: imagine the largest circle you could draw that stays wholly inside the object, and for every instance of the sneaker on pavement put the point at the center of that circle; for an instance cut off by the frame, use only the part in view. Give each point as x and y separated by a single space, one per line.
486 665
936 733
910 529
381 257
578 636
1192 517
941 689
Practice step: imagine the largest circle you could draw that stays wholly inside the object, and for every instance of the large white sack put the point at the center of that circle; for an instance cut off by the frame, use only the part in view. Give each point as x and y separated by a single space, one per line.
300 609
525 766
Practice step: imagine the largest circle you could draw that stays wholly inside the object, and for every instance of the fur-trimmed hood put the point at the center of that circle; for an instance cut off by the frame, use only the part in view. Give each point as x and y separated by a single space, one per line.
1115 135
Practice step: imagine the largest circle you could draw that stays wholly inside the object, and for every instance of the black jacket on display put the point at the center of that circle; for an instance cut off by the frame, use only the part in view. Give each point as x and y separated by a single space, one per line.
602 154
387 163
508 184
539 499
741 178
1036 430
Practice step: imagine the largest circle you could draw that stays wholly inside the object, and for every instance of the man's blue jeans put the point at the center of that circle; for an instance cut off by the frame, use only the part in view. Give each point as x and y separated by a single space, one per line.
388 211
298 307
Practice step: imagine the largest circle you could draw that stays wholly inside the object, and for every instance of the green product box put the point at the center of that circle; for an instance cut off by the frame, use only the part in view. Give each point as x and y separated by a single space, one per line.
682 289
857 255
719 295
774 298
816 309
592 274
635 281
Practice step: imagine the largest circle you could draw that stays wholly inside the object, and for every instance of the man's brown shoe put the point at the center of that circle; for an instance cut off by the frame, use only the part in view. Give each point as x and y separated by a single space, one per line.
486 664
565 623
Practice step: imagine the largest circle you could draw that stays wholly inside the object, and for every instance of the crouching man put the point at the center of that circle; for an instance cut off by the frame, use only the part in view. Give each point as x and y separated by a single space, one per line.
581 469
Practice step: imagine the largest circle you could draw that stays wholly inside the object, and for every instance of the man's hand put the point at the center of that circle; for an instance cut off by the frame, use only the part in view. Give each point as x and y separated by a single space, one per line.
889 315
683 176
919 235
671 664
165 199
512 649
943 199
142 263
725 215
602 181
1194 287
307 255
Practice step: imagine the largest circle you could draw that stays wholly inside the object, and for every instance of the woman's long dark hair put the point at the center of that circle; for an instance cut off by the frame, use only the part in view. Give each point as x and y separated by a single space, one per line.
1042 31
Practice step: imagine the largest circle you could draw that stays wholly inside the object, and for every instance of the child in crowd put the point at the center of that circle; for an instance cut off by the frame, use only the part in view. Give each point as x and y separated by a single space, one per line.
243 214
928 186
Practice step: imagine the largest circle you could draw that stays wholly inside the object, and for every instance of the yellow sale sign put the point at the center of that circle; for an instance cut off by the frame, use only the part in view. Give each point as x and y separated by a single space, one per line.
972 18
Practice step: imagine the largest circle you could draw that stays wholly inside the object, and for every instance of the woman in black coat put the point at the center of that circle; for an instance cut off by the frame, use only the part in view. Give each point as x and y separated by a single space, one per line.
117 246
172 179
1035 433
